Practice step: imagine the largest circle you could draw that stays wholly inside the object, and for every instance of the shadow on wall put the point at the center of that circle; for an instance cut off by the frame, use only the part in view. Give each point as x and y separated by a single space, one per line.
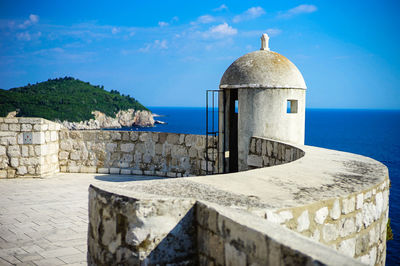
178 246
126 178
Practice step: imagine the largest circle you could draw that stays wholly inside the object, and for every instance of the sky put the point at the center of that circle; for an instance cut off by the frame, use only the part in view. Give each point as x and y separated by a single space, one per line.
168 53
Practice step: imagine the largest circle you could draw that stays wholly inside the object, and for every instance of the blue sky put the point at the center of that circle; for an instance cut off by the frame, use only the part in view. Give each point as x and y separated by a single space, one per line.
167 53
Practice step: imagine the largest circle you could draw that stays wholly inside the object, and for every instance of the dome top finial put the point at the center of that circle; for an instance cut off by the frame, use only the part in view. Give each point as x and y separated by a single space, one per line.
264 42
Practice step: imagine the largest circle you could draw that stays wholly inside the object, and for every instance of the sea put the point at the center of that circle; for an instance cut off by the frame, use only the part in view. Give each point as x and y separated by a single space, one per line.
373 133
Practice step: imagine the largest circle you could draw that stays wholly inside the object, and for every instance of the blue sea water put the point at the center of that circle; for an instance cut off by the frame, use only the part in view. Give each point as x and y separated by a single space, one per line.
373 133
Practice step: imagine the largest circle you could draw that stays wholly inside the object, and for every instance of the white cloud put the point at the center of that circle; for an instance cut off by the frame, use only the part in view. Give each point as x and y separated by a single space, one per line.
26 36
33 19
161 44
175 18
156 45
220 8
115 30
205 19
220 31
251 13
163 24
301 9
273 32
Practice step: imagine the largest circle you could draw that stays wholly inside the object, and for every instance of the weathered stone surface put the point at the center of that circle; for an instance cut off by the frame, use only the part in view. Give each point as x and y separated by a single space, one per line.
330 232
348 205
321 215
347 227
128 147
303 222
348 247
360 201
335 211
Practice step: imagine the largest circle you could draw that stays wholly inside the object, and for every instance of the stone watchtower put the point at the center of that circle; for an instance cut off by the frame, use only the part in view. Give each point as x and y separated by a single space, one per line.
264 96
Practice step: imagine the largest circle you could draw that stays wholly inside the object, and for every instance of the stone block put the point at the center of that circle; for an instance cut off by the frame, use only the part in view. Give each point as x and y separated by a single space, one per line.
169 174
172 138
335 211
38 138
3 174
330 232
126 171
360 201
369 214
303 222
73 169
114 170
26 127
348 247
144 136
255 160
13 151
14 127
111 147
321 215
234 257
348 205
347 227
53 136
115 135
362 243
75 155
379 204
88 169
2 150
137 172
134 136
14 162
210 244
11 120
4 127
24 151
128 147
47 136
103 171
22 170
125 136
207 218
10 173
31 170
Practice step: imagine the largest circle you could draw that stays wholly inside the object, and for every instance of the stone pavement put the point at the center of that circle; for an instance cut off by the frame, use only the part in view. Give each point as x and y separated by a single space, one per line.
44 221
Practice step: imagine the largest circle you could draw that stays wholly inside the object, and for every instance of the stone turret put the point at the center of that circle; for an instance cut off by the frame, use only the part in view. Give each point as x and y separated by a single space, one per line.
264 96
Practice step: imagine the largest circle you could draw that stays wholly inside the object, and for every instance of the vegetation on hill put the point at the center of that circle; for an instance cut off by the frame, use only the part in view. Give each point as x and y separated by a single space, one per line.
64 99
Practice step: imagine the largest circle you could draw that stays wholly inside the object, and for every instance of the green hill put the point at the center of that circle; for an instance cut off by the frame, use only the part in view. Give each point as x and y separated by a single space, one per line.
64 99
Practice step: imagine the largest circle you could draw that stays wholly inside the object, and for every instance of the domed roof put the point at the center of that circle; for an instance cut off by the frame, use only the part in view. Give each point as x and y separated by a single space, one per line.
262 69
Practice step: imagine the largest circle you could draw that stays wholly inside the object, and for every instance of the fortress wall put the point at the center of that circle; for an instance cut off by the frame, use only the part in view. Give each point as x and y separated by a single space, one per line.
266 152
132 152
28 147
149 231
354 225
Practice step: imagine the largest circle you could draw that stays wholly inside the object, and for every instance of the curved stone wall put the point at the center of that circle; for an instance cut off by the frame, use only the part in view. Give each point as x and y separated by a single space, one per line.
337 199
354 225
265 152
126 230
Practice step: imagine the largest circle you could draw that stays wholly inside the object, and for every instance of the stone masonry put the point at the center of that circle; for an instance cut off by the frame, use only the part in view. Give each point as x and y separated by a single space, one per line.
139 153
28 147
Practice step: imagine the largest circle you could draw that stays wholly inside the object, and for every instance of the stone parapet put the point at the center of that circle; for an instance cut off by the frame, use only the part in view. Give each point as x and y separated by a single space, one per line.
28 147
169 231
132 152
266 152
354 225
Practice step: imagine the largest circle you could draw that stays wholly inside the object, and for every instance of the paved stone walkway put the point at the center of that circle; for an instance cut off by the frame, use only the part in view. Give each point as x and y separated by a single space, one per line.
44 221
